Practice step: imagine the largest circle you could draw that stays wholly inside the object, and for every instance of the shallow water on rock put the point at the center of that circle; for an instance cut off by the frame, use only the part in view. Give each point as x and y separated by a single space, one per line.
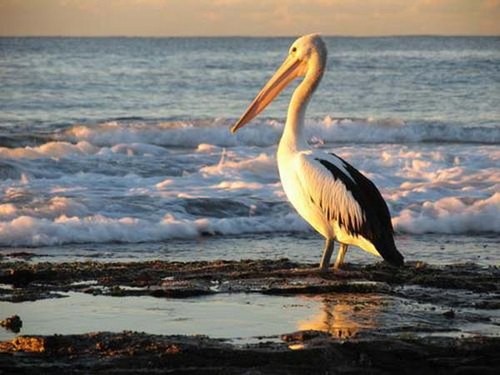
251 317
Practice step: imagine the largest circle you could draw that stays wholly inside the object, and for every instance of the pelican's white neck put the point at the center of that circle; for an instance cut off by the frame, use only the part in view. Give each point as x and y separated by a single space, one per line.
293 137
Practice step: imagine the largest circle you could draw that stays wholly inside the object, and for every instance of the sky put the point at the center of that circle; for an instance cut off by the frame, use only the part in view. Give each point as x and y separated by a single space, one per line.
248 17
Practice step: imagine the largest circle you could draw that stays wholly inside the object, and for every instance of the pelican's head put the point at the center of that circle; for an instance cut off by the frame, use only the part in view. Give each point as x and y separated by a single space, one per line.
306 57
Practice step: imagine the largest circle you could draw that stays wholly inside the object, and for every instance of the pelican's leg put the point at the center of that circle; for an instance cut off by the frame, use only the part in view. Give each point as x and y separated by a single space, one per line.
327 254
340 257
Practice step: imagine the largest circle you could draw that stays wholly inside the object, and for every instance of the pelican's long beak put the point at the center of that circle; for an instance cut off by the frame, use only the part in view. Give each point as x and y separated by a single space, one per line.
287 72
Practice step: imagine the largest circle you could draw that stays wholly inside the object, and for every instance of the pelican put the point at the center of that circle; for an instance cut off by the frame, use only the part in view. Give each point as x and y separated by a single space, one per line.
335 198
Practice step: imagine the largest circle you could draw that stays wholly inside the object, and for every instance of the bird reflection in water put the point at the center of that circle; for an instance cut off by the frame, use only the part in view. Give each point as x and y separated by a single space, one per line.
346 315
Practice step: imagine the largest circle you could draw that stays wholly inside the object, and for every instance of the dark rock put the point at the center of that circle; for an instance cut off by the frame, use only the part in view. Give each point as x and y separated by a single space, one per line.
12 323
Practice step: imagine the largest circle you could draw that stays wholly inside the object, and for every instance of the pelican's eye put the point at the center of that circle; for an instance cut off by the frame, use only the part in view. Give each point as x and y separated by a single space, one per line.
294 49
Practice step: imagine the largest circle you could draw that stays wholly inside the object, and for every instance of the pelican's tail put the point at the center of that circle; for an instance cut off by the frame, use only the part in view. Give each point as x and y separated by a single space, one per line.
392 255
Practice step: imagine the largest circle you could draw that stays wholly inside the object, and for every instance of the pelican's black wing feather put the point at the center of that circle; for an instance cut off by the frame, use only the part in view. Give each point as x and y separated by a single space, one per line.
377 226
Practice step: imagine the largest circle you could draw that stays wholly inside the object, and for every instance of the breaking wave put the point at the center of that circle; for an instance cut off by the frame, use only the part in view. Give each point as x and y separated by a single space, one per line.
266 132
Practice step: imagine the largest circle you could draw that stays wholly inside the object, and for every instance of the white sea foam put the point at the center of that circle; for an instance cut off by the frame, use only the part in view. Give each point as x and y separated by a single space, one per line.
451 215
126 182
447 215
29 231
49 150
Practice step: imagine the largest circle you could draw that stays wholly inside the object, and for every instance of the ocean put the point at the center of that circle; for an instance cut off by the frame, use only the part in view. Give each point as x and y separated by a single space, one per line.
119 148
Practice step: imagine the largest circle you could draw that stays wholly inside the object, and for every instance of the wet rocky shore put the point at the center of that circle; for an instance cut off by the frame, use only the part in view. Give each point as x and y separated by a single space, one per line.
447 298
129 352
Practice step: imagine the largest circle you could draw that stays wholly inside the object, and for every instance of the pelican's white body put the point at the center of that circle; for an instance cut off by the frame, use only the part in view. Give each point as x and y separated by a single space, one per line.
303 177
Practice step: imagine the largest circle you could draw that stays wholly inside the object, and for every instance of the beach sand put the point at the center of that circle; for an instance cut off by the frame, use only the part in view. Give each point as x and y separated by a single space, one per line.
248 316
